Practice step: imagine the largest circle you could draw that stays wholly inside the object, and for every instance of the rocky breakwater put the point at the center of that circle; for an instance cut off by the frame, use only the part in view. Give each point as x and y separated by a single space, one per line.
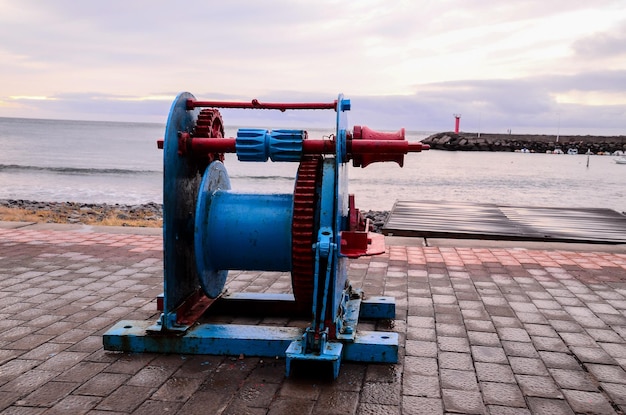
519 142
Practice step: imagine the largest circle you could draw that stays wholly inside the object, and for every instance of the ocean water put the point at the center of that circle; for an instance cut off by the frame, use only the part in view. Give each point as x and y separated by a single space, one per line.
113 162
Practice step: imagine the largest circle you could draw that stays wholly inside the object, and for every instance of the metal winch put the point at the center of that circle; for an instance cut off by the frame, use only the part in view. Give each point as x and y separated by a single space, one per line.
210 229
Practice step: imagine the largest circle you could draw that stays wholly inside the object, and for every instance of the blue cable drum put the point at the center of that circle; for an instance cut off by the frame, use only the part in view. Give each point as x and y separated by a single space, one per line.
239 231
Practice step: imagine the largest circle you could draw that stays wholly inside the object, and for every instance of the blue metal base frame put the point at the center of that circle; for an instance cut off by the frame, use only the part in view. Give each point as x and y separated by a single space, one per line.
235 340
261 341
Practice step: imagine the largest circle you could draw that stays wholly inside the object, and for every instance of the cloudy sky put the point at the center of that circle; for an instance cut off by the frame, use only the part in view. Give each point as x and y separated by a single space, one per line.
540 66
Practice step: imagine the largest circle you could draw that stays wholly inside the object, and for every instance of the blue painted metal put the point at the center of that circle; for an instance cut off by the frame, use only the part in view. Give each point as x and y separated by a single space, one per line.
286 145
209 229
279 145
378 307
251 144
212 279
214 339
181 180
372 346
262 341
298 350
244 231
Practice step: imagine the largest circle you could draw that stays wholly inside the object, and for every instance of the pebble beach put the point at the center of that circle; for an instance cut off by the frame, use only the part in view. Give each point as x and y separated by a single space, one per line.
143 215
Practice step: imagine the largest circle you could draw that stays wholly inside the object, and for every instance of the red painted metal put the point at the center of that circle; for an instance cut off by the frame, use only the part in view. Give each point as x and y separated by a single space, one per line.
256 104
303 232
369 146
357 240
193 308
380 148
457 122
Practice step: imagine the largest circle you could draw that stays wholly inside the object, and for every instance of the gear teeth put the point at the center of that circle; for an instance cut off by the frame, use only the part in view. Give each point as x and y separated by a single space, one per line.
210 124
303 230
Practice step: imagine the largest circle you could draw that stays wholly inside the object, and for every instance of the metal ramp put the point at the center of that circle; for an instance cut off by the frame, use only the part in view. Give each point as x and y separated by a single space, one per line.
436 219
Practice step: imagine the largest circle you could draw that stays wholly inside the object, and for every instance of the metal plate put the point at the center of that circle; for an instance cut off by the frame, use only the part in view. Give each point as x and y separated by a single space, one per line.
489 221
215 178
181 181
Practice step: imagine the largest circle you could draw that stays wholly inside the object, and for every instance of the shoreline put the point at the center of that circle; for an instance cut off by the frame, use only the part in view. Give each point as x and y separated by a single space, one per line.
148 215
141 215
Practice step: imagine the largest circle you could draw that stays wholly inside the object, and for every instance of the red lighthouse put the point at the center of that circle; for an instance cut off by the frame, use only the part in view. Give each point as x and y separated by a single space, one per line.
457 122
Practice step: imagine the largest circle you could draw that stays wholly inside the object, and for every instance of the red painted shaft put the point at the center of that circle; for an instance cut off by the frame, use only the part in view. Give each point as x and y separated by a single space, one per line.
255 104
315 146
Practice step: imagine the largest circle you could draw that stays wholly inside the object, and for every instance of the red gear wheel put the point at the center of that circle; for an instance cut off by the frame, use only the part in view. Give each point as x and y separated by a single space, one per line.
303 230
210 124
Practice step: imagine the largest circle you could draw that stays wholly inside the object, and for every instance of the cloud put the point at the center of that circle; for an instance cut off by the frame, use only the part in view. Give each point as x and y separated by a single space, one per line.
603 45
403 63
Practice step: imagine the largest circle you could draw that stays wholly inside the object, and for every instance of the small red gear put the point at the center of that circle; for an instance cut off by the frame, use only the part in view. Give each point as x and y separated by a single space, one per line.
210 125
303 230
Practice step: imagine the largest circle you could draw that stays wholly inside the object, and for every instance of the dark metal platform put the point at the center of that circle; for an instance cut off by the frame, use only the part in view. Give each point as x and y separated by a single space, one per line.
488 221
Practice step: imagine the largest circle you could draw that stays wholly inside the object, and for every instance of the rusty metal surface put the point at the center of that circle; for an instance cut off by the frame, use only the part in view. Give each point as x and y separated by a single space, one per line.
489 221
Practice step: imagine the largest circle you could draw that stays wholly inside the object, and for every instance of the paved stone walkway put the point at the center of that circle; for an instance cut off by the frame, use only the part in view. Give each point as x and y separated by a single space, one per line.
483 330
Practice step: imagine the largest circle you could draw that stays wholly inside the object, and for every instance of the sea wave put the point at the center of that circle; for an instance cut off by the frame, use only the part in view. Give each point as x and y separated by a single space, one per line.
74 170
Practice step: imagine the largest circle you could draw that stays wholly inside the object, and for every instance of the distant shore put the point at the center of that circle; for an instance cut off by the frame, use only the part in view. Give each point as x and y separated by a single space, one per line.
142 215
464 141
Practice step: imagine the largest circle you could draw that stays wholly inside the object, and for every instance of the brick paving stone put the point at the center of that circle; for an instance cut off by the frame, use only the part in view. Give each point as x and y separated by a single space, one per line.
458 379
102 384
48 394
607 373
504 394
126 398
494 299
73 404
29 381
155 407
411 405
382 393
480 325
559 360
479 338
453 344
452 330
421 348
489 354
450 360
528 366
549 344
376 409
465 402
422 334
507 410
336 402
418 385
14 368
425 366
588 402
615 350
566 326
179 389
574 379
493 372
540 386
513 334
519 349
615 391
592 355
578 339
549 406
500 321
